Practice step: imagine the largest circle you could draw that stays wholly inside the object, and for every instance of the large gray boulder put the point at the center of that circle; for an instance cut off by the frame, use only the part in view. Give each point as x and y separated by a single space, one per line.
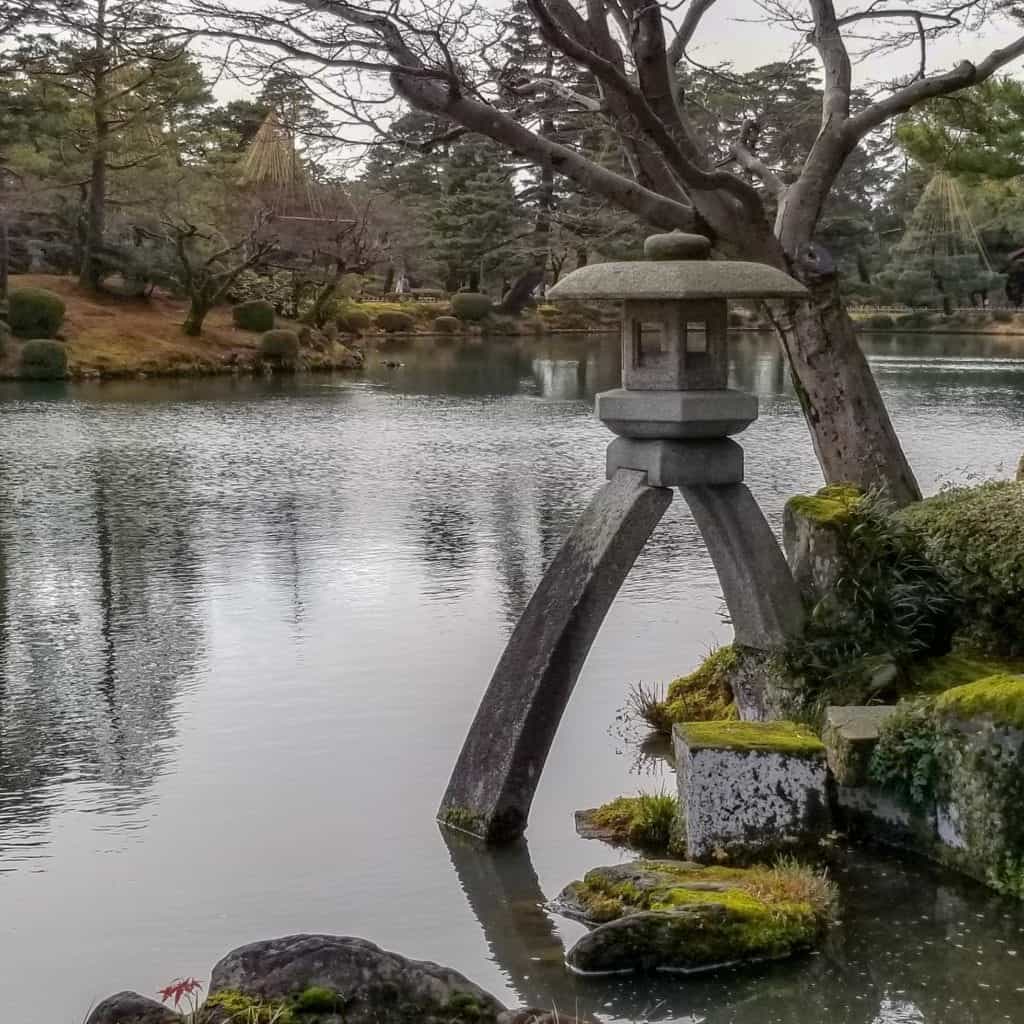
131 1008
371 984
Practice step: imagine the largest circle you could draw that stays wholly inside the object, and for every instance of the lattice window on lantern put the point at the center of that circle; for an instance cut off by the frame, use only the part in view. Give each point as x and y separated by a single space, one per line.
650 345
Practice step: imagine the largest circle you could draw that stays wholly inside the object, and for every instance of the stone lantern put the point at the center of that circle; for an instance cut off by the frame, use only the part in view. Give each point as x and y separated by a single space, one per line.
675 356
674 416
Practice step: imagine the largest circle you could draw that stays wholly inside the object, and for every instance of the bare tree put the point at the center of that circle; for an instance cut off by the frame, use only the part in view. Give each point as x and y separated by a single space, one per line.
208 265
433 55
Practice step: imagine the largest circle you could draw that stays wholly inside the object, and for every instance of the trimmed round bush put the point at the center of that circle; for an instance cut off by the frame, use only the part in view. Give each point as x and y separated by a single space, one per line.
43 359
393 322
280 347
447 325
471 306
354 321
254 315
35 312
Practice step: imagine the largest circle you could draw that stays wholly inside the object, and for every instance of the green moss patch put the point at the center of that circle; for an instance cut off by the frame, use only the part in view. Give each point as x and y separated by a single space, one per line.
647 821
1001 697
232 1005
705 695
776 737
831 506
721 914
957 668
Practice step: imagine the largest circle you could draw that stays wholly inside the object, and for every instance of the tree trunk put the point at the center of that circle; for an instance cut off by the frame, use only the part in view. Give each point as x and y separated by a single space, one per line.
90 275
197 310
853 436
518 295
5 255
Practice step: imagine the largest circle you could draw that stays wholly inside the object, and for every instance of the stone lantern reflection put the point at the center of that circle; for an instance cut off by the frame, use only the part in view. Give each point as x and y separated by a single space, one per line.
674 416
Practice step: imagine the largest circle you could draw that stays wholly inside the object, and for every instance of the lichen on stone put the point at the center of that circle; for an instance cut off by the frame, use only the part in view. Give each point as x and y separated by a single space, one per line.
1001 697
831 506
789 738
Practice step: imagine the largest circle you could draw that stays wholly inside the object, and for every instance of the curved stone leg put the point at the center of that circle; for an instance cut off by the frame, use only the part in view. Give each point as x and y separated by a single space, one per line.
762 598
492 787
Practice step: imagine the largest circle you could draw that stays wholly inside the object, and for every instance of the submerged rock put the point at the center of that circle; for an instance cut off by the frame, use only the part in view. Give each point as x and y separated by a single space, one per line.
674 915
131 1008
330 977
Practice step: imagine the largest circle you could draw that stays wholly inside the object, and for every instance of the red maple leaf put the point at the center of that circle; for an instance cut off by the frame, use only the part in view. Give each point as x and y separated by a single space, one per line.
178 989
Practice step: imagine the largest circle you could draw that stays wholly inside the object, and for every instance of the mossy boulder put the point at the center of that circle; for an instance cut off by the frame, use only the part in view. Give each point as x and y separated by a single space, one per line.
703 695
648 821
471 307
957 761
35 312
974 536
673 915
42 359
255 315
280 348
812 529
395 322
298 976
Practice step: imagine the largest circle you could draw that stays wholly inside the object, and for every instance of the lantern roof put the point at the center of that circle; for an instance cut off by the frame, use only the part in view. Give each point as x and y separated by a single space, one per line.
677 279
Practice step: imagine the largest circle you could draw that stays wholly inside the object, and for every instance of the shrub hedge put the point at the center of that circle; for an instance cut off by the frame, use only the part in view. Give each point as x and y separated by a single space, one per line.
353 321
280 348
35 312
471 306
254 315
43 359
393 322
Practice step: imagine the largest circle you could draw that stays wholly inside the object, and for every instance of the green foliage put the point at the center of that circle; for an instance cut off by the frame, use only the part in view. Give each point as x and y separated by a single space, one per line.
237 1008
280 348
958 668
1002 316
253 315
353 321
906 759
879 322
471 306
703 695
647 821
42 359
5 335
447 325
889 606
975 538
35 312
394 322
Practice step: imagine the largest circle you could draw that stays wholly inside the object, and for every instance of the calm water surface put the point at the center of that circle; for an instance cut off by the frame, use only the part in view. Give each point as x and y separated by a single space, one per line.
244 626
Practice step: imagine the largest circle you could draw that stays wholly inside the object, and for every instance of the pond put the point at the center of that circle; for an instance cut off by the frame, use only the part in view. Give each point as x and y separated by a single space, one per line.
244 626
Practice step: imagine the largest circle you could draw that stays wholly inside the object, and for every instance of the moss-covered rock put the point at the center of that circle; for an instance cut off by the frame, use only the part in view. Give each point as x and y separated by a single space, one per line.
300 975
957 760
958 668
703 695
646 821
674 915
790 738
975 538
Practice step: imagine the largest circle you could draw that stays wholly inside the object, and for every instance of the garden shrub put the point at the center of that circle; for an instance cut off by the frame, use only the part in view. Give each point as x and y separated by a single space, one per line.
254 315
392 321
35 312
471 306
889 606
280 348
880 322
447 325
353 321
919 318
975 538
43 359
906 760
1002 316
